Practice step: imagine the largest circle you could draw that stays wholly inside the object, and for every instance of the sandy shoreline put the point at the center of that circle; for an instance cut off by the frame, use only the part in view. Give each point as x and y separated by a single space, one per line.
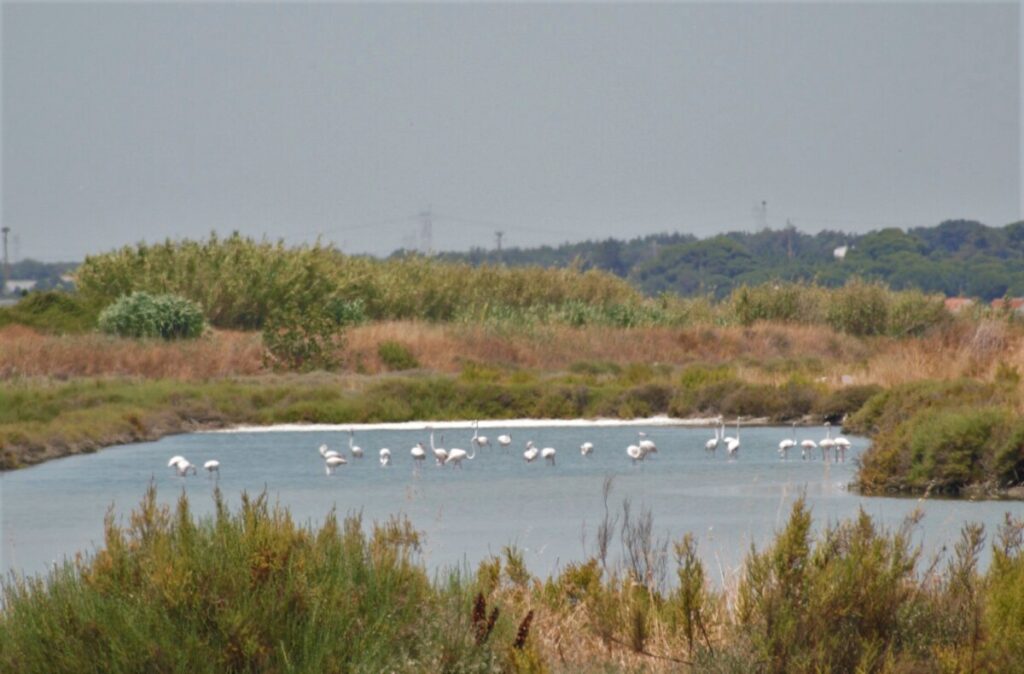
484 423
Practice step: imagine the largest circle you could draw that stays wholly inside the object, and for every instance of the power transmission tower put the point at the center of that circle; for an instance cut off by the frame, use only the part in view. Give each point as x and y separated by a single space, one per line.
761 215
426 232
7 264
498 236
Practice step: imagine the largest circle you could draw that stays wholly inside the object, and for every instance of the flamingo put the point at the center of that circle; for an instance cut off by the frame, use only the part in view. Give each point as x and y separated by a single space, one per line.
182 466
531 452
356 450
212 466
787 444
806 447
439 453
732 445
712 444
548 453
827 442
505 441
333 462
479 440
455 456
385 457
841 445
418 453
634 452
586 448
646 445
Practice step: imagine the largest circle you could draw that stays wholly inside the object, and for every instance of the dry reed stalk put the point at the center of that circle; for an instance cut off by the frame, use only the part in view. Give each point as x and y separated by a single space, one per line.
24 353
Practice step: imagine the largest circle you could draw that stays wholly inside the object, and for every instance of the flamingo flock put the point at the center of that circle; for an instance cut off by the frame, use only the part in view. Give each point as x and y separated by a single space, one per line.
832 449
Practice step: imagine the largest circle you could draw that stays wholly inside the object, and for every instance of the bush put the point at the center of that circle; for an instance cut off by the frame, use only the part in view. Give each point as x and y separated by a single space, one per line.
396 356
52 311
859 308
143 315
246 591
295 339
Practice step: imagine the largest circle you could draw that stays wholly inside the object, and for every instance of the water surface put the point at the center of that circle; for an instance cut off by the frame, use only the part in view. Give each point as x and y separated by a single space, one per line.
55 509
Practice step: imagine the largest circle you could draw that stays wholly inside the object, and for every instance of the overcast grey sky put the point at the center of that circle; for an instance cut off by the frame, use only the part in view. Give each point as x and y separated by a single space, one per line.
552 122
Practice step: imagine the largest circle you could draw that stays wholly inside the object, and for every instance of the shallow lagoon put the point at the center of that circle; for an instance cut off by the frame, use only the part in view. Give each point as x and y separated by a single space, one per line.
55 509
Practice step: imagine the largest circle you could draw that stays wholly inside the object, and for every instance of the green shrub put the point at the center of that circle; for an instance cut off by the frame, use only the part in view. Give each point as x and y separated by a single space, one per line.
143 315
297 339
52 311
859 308
396 356
245 591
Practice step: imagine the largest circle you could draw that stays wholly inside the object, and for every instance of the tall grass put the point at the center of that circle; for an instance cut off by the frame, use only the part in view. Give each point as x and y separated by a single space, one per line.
240 283
251 590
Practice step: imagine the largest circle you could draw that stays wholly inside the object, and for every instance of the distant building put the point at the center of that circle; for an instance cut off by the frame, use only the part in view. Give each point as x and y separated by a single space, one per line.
15 286
1016 304
840 252
957 304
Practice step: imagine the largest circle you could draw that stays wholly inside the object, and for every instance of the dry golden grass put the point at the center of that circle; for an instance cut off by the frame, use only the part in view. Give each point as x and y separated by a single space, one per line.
25 353
446 348
763 353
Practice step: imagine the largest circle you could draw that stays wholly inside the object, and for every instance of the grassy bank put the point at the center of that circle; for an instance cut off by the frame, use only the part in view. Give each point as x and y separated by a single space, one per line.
250 590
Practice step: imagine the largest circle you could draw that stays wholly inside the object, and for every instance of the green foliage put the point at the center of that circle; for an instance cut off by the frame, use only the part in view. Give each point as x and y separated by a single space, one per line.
53 312
143 315
942 436
295 339
956 257
251 590
845 603
241 282
241 591
396 356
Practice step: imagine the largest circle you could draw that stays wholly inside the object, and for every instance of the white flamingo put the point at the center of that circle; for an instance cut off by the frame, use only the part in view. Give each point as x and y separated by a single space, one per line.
456 455
712 444
439 453
827 442
418 453
479 440
548 454
732 445
531 452
635 453
505 440
787 444
356 450
841 445
212 466
646 445
182 466
385 457
586 448
333 462
807 448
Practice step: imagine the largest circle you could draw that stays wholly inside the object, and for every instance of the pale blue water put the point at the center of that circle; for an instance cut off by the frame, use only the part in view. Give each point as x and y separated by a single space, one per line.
55 509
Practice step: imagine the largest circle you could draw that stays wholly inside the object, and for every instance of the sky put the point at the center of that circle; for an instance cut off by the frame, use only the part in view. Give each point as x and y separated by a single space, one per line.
552 123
